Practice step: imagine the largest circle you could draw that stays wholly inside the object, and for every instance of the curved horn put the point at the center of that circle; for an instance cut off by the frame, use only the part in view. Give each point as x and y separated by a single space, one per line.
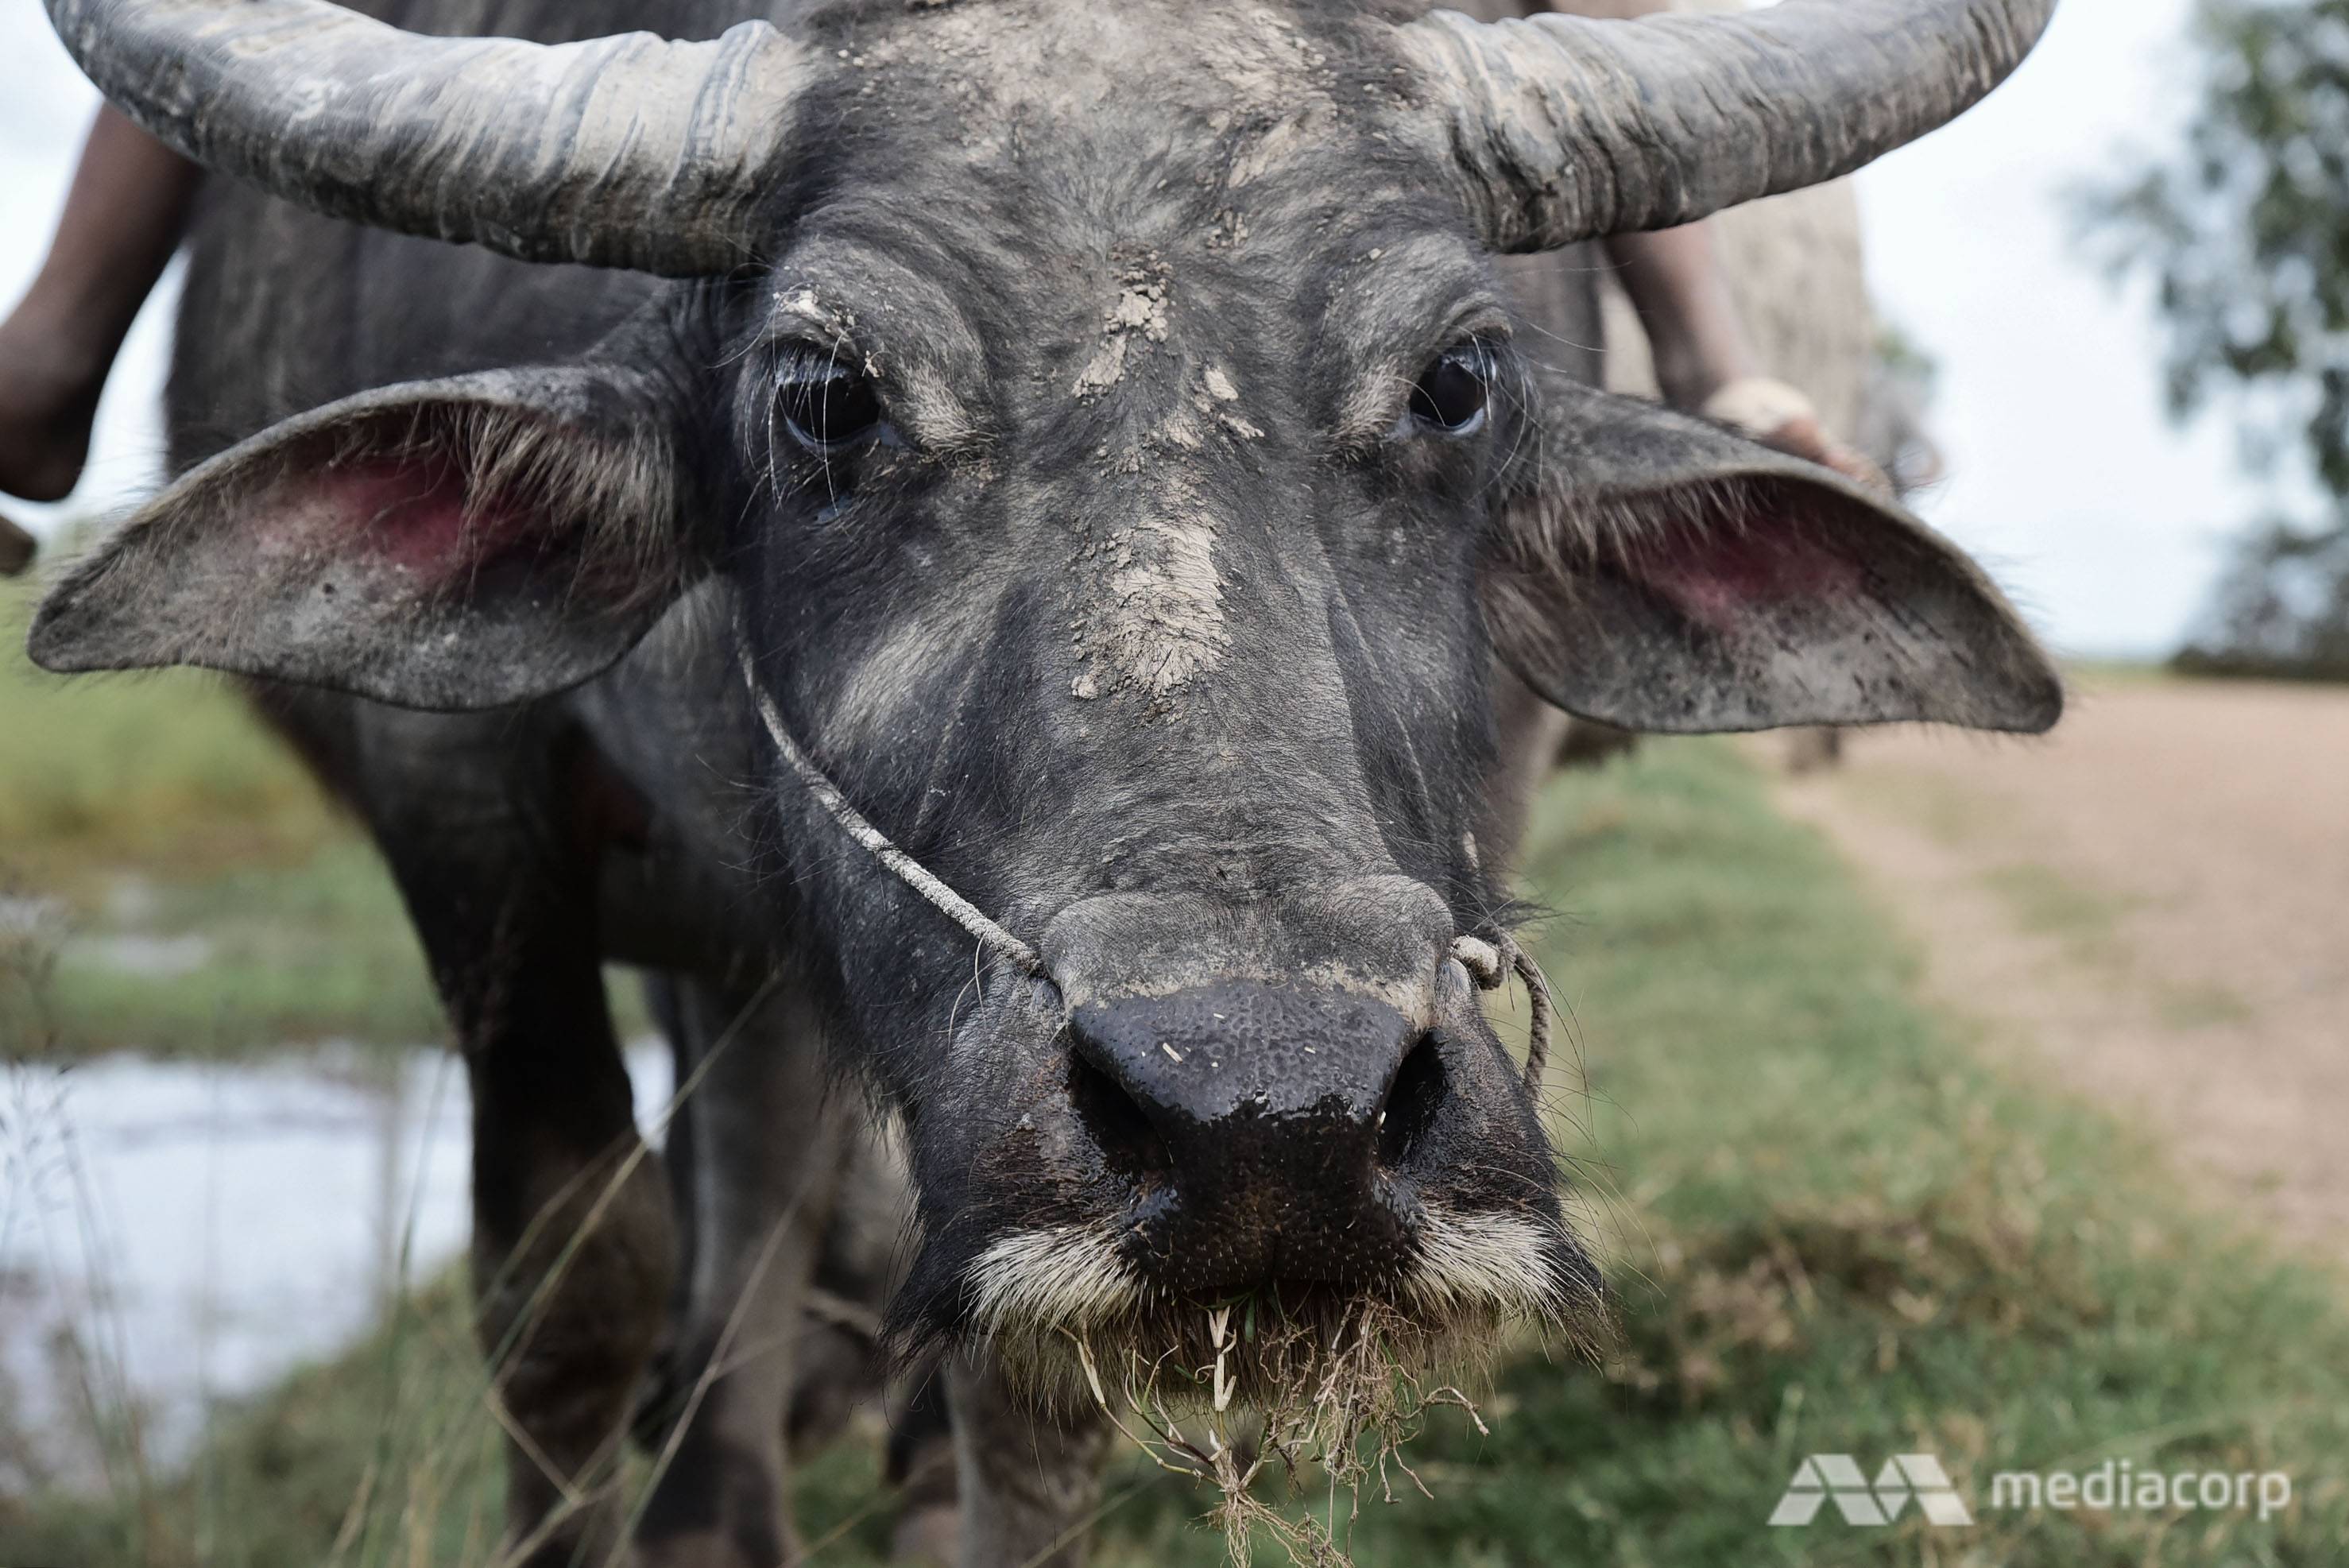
1569 129
628 151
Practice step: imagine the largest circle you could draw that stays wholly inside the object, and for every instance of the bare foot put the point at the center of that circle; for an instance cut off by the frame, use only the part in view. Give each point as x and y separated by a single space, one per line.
47 400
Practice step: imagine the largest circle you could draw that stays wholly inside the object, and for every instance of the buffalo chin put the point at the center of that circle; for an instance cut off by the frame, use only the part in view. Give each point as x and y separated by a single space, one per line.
1073 1323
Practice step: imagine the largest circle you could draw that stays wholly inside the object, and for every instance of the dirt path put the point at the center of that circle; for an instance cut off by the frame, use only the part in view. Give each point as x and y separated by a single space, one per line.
2153 904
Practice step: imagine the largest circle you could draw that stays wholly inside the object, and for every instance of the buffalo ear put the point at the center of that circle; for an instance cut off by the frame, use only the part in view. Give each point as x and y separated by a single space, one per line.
1664 575
445 544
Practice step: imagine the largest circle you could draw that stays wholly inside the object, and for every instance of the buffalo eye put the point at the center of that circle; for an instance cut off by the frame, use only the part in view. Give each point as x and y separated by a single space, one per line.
1451 395
826 405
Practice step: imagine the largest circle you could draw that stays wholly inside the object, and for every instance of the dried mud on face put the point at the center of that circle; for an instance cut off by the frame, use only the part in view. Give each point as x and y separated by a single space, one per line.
2151 907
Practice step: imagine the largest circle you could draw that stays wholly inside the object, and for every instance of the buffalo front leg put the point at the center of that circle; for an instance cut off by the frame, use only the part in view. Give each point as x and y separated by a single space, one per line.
1029 1477
768 1146
571 1246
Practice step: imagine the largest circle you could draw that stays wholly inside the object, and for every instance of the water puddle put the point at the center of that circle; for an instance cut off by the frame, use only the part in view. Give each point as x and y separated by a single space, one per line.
177 1234
138 953
46 925
28 918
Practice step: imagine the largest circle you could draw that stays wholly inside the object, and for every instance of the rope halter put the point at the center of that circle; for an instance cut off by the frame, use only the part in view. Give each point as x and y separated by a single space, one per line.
1489 960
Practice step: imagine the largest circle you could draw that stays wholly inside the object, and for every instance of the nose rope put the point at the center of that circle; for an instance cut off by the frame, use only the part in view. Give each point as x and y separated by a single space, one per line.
900 863
1490 963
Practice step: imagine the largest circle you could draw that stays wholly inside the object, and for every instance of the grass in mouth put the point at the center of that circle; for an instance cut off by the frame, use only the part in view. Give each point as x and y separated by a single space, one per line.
1339 1395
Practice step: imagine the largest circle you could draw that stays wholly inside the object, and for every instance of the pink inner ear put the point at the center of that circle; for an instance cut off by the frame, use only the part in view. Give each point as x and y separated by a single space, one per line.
1721 575
412 513
407 513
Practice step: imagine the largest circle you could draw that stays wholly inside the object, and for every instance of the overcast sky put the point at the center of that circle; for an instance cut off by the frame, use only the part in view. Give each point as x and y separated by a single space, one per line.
2104 520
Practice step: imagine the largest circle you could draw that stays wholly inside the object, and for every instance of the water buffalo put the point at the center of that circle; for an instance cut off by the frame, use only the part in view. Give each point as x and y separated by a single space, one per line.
1095 434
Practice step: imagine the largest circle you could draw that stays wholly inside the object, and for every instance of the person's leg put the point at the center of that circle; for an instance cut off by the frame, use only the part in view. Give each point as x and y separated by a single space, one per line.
16 550
1693 329
122 221
1704 359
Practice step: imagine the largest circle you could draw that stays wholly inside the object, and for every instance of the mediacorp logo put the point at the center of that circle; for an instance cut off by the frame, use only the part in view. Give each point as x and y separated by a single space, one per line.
1837 1477
2115 1486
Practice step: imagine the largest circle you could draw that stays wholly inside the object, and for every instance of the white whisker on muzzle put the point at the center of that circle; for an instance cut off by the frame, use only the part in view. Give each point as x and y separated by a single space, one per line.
1495 1263
1057 1277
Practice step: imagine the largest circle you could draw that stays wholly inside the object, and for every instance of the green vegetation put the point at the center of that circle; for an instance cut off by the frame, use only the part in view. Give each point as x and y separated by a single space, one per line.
2243 231
167 773
1831 1231
191 892
2091 675
243 960
2200 1007
2047 903
1954 818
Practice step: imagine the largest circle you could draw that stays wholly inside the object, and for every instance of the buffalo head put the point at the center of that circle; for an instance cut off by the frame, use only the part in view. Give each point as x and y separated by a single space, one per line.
1107 435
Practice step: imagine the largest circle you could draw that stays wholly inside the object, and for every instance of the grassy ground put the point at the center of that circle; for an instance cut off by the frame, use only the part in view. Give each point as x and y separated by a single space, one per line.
164 773
1831 1231
180 882
177 883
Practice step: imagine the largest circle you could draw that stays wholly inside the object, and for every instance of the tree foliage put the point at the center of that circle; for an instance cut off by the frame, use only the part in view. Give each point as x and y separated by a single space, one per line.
2245 232
2281 608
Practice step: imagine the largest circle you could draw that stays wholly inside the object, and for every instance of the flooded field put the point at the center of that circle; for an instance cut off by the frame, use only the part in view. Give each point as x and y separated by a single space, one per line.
178 1234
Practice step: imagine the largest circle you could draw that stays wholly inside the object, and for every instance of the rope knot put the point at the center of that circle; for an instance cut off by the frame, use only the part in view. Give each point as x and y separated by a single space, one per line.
1482 959
1490 961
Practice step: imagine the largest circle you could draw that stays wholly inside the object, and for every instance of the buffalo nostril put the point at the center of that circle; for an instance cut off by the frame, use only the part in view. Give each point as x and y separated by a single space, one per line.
1413 1098
1129 1143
